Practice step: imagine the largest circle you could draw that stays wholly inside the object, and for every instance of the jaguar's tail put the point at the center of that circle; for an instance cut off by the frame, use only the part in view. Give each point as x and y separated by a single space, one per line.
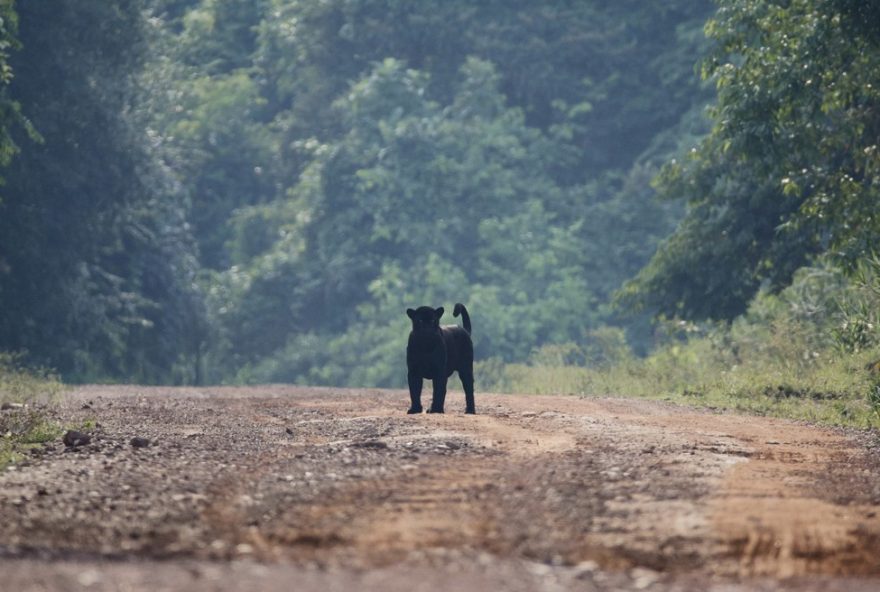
461 310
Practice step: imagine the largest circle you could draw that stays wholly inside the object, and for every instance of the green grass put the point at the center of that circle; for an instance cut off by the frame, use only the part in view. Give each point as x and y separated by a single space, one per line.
827 387
24 385
22 429
25 425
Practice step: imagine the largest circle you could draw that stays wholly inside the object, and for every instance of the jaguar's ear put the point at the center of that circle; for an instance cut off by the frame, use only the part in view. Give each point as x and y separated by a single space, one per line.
410 313
438 313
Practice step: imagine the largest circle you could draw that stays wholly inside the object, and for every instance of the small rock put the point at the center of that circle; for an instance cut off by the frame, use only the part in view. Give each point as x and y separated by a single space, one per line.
89 578
72 439
584 569
138 442
377 444
539 569
289 431
643 578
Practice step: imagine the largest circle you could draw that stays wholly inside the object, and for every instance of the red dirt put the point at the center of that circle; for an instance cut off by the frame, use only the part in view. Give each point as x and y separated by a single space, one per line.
278 488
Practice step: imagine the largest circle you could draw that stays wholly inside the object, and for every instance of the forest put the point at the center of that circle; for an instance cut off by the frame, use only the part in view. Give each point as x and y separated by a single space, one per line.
216 191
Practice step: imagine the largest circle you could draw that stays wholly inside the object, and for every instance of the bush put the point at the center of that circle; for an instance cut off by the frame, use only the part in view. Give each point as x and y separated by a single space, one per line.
793 354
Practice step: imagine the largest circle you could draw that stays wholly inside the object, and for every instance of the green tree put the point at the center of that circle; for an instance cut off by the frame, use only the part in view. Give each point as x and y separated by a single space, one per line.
791 166
207 108
415 194
98 265
500 118
619 72
11 118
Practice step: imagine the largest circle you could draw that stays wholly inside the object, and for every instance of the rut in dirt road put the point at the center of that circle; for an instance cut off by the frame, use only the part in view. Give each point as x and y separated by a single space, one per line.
332 478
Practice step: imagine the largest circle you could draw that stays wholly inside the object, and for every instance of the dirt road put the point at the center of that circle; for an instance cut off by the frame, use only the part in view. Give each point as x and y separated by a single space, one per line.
283 488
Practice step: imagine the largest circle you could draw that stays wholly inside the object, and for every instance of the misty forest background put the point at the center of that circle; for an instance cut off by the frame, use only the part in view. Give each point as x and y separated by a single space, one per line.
216 191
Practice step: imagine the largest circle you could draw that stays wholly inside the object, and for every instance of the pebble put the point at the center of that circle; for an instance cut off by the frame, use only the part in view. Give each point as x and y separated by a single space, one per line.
585 568
643 578
89 578
244 549
72 439
376 444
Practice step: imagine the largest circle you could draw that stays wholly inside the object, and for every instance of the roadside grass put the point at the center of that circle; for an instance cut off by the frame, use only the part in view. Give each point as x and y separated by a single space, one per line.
23 419
810 352
828 387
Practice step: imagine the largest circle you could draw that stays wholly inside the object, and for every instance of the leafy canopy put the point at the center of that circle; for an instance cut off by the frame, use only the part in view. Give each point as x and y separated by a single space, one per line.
791 167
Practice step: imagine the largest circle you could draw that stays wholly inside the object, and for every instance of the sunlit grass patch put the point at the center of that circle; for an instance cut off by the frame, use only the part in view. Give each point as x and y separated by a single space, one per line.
831 388
22 425
21 429
21 385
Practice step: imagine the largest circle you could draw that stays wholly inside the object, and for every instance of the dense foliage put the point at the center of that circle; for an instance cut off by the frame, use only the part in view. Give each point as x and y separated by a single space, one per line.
792 165
95 266
217 190
351 159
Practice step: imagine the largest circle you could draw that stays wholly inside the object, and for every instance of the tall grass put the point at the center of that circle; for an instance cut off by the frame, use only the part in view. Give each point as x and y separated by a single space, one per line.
21 385
837 391
810 352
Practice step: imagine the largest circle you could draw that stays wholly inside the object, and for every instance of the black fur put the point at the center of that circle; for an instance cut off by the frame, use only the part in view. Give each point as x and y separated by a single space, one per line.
435 352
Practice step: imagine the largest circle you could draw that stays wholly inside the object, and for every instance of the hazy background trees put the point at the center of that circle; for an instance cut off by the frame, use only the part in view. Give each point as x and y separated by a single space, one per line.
96 267
216 190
